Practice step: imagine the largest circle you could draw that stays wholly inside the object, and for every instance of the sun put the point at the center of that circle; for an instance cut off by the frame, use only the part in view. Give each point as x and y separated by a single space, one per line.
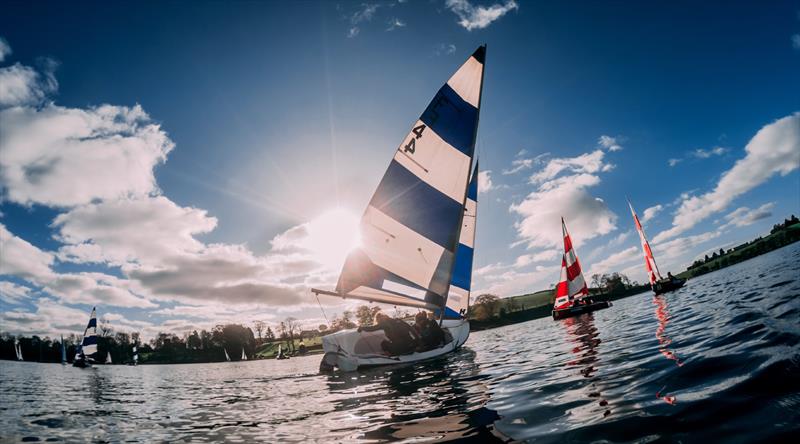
331 236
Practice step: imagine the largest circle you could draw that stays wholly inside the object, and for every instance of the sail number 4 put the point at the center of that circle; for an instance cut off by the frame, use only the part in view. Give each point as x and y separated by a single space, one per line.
410 147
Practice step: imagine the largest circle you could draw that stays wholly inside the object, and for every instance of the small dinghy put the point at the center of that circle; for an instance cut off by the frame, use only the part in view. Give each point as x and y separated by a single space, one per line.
660 285
417 232
18 350
135 360
281 354
572 293
88 346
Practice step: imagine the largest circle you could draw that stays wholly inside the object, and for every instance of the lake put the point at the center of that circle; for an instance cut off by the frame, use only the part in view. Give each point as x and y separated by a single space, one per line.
718 360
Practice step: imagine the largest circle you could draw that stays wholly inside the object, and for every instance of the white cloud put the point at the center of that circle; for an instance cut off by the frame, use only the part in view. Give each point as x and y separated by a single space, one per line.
544 256
364 14
775 149
651 212
395 23
24 86
613 262
131 230
479 17
65 156
444 49
672 162
680 246
609 143
352 32
796 41
20 258
485 181
521 163
705 154
563 192
5 49
591 163
12 293
743 216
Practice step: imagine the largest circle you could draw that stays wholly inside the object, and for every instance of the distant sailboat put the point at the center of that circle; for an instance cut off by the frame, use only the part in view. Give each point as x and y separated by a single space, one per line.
88 346
414 227
572 293
280 354
63 352
244 356
108 358
135 357
227 358
18 349
657 283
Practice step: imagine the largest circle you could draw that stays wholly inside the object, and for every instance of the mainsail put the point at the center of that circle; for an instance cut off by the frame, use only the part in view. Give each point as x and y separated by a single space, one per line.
572 285
227 358
18 349
63 351
460 283
244 356
89 343
135 356
108 358
649 261
410 229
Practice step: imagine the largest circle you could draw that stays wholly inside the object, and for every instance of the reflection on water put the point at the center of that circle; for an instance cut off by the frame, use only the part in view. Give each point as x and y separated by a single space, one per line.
583 333
662 315
590 378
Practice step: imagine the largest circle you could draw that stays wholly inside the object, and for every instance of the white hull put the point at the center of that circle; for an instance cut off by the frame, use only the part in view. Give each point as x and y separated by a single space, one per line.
349 350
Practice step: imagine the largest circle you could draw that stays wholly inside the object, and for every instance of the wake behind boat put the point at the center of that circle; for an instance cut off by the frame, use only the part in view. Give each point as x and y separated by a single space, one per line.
572 293
418 231
659 284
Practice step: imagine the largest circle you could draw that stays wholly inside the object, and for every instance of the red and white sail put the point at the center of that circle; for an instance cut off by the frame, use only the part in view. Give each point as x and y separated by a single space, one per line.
572 286
649 261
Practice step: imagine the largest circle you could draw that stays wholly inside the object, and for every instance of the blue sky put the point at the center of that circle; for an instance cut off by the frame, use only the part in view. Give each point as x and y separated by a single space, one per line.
180 165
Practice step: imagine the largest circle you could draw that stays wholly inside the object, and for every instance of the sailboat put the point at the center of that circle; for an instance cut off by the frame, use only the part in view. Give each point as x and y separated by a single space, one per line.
135 361
572 293
63 352
18 349
244 356
227 358
280 354
108 358
88 346
417 231
657 283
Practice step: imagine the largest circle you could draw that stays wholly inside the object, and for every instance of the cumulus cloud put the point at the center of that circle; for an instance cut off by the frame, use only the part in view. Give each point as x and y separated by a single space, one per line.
743 216
130 230
24 86
20 258
614 261
543 256
61 156
651 212
478 17
775 149
680 246
565 196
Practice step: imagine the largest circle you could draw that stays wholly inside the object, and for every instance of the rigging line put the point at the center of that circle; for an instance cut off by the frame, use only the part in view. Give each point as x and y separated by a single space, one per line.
322 309
413 160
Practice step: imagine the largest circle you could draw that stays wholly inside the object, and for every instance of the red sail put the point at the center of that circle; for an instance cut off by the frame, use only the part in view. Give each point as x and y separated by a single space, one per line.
572 286
649 261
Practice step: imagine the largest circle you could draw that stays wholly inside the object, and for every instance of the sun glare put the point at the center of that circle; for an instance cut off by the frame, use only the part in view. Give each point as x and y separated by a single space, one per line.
331 236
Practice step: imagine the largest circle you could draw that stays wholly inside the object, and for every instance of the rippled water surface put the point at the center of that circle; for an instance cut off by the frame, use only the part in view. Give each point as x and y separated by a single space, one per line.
718 360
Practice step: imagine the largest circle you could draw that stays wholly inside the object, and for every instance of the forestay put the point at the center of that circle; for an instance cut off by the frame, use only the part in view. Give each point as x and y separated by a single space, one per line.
410 229
572 285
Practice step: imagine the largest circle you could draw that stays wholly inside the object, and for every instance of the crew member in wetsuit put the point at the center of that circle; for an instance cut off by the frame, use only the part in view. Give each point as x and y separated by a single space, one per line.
431 334
401 338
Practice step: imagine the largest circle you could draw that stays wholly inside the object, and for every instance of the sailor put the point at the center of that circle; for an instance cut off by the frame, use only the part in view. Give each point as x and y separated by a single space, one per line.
401 338
670 276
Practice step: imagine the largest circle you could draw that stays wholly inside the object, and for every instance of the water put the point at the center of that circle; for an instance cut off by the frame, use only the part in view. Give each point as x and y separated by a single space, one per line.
716 361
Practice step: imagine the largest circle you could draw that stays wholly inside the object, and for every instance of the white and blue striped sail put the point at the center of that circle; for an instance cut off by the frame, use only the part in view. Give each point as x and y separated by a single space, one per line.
458 297
63 351
89 343
410 229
